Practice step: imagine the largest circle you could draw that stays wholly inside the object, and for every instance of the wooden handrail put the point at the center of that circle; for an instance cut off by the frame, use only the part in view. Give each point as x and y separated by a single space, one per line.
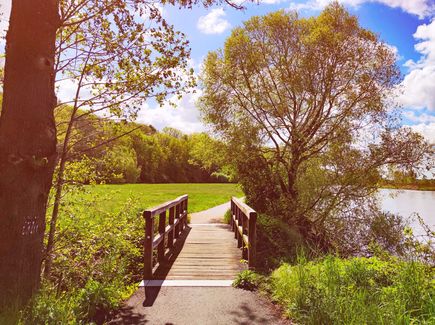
244 225
177 221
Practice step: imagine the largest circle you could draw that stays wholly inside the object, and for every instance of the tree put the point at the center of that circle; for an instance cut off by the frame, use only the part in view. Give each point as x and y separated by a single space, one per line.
28 132
306 106
211 155
27 144
114 67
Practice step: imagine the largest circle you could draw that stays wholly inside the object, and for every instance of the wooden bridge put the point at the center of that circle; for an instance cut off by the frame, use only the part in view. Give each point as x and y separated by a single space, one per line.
189 269
176 250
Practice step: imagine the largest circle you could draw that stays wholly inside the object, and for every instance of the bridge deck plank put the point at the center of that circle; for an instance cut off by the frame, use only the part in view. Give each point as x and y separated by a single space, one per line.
208 252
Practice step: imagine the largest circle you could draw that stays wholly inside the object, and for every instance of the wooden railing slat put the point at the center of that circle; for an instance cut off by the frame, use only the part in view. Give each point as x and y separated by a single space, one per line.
157 240
165 206
246 209
177 219
243 223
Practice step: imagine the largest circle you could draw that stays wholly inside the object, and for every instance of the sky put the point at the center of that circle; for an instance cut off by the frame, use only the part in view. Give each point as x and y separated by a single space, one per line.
408 26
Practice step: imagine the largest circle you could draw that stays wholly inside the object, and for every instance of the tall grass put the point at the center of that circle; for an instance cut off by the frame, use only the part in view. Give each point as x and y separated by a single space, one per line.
356 291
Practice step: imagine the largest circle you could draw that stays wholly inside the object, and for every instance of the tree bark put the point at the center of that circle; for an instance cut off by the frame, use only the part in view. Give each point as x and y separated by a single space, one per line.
27 145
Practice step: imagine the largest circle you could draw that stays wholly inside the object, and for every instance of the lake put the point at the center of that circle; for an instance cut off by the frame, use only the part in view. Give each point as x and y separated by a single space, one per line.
407 202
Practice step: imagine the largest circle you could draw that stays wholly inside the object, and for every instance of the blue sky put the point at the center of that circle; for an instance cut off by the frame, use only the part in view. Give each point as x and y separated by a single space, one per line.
406 25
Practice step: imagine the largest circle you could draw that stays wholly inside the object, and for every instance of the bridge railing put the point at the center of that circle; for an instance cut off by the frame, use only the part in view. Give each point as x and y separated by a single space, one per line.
244 225
177 220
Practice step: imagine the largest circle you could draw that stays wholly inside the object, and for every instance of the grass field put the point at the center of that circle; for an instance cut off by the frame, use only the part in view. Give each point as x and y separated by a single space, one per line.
112 198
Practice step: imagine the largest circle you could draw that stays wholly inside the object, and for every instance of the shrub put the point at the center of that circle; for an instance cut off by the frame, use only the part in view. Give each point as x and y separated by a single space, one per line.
227 217
248 280
356 291
96 300
97 263
48 308
276 242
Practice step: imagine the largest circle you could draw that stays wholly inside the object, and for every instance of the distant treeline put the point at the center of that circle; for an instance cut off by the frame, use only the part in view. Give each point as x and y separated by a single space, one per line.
408 180
107 151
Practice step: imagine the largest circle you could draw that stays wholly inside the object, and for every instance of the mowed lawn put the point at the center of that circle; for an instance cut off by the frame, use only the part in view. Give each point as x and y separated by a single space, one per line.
113 198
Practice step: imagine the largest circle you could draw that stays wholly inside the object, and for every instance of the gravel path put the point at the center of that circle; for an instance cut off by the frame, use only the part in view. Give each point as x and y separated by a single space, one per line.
199 306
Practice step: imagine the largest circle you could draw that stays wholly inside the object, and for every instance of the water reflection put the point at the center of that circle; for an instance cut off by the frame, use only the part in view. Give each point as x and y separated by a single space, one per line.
407 202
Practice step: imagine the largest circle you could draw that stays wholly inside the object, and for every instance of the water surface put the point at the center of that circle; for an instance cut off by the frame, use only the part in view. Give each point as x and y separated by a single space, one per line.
408 202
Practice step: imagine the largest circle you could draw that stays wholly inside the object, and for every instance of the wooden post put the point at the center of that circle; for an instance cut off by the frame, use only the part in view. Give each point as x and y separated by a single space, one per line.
244 230
181 216
186 202
240 235
232 214
177 215
161 247
236 217
252 235
172 232
148 246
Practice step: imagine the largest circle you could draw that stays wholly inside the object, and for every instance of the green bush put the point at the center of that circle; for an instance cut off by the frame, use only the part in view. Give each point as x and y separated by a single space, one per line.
97 263
48 308
356 291
248 280
97 300
276 242
227 217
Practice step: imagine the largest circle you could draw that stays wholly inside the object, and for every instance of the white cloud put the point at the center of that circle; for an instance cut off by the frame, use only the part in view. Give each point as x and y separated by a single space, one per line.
427 130
421 8
5 9
419 84
421 118
213 22
185 116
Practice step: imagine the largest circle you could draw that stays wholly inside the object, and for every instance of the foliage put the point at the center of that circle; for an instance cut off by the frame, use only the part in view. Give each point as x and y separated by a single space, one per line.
211 155
276 242
119 165
296 98
407 180
247 280
48 308
143 155
356 291
227 217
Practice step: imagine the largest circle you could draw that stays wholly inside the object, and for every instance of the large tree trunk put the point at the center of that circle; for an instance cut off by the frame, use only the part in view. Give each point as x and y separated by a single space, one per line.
27 145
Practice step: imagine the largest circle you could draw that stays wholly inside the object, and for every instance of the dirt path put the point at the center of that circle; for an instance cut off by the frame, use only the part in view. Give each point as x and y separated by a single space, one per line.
212 215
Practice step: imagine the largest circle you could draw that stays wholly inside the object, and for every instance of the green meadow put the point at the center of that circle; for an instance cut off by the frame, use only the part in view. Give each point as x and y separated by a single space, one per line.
112 198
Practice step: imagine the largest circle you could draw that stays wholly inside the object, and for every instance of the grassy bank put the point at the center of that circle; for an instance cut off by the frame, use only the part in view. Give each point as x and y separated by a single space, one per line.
355 291
98 258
